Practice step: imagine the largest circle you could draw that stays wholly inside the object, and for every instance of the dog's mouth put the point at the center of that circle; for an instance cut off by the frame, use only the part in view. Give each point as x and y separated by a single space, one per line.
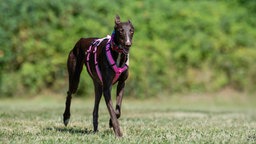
126 50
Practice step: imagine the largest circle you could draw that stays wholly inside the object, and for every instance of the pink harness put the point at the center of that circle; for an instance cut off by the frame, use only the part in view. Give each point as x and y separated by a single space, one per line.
93 50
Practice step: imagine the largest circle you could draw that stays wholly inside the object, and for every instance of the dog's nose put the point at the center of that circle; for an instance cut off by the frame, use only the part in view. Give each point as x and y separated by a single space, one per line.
128 43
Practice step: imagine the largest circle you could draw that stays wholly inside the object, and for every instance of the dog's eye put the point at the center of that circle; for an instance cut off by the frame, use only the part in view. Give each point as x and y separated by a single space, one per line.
121 30
131 31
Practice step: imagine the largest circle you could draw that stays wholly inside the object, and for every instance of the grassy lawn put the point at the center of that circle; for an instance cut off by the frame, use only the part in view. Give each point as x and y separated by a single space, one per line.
175 119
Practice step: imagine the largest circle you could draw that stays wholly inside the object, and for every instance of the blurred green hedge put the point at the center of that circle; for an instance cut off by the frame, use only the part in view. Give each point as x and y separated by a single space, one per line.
179 46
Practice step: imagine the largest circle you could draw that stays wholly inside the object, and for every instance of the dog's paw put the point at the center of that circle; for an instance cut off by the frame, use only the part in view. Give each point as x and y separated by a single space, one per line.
66 122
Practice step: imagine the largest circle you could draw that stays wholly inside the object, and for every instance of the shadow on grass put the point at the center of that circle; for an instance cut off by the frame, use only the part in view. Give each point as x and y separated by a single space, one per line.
71 130
80 131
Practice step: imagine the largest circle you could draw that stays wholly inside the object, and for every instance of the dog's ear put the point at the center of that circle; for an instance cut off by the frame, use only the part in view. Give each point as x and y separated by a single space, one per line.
129 22
117 20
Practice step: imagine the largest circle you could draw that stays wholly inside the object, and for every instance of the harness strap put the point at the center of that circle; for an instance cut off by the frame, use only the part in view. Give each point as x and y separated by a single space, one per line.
93 50
118 70
87 60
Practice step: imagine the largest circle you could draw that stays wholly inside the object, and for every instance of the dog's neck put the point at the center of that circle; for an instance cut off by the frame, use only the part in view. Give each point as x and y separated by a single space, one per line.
119 57
115 38
116 46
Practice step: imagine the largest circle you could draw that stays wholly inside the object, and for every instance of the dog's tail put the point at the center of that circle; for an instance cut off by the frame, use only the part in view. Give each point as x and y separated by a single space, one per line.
75 66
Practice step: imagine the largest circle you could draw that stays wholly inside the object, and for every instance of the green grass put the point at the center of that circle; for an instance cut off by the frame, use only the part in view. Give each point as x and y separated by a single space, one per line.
174 119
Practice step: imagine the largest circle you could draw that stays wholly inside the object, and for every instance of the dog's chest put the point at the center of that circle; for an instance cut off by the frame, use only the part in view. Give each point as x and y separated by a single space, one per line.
122 59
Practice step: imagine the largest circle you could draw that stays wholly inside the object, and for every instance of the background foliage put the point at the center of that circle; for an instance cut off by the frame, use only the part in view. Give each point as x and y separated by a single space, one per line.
179 46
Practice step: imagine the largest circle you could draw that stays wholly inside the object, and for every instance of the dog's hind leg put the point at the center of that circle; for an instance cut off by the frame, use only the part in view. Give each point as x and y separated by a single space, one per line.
75 65
66 115
98 95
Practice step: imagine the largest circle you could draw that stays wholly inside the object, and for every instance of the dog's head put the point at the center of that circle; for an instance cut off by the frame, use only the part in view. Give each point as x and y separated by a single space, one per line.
123 34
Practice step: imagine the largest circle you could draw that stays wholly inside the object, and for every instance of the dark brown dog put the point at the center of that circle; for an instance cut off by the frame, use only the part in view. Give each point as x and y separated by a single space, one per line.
95 55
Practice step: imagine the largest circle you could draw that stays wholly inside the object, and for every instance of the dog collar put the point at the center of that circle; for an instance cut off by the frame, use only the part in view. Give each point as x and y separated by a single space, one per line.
114 46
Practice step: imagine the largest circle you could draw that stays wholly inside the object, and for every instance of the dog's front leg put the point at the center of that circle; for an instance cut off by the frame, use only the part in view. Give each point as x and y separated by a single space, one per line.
107 96
119 97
